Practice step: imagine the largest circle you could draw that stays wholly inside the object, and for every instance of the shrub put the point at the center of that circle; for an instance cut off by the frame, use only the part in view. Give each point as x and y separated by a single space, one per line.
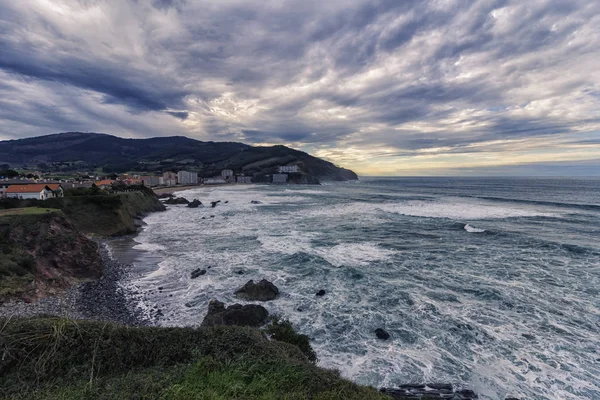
283 331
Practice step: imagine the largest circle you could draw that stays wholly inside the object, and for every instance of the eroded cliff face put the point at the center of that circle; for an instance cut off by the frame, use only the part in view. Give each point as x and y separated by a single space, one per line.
44 254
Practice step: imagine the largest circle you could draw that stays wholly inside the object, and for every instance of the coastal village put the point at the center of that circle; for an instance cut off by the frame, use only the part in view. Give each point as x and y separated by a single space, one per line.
33 185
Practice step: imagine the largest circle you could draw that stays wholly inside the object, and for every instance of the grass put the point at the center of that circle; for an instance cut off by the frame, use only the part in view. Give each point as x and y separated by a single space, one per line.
57 358
28 211
283 331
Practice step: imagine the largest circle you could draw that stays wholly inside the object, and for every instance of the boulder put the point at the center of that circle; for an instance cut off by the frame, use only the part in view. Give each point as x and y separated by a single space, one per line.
382 334
213 204
237 314
321 293
255 202
261 291
177 200
195 204
198 272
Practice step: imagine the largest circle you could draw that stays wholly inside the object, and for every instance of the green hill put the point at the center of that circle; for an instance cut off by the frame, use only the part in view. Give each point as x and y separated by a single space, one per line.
77 151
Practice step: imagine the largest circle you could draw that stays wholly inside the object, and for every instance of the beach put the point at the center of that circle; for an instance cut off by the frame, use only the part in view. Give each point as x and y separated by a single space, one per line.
101 300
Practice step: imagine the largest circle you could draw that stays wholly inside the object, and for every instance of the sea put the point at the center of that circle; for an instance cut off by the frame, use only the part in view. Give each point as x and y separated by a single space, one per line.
491 284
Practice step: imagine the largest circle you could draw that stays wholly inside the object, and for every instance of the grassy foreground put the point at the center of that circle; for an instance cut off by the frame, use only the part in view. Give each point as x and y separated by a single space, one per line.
57 358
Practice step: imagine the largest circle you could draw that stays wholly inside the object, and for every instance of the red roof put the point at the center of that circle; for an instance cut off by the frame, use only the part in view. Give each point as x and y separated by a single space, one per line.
35 188
104 182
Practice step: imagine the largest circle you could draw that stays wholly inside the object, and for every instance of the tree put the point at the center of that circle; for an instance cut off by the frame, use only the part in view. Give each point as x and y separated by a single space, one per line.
9 173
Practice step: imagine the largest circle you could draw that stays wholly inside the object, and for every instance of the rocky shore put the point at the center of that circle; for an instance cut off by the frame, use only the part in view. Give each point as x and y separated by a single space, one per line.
100 300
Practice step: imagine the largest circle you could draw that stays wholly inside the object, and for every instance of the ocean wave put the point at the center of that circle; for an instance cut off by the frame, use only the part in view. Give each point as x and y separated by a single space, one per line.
148 246
459 209
471 229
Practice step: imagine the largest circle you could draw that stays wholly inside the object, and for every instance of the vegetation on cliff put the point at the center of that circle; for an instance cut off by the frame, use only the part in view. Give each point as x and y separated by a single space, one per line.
100 213
56 358
44 250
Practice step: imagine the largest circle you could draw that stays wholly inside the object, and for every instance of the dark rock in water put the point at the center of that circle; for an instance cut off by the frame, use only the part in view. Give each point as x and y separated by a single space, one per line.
188 305
212 216
255 202
261 291
198 272
528 336
237 314
440 386
177 200
428 391
195 204
213 204
203 217
321 293
466 393
240 272
160 288
226 201
382 334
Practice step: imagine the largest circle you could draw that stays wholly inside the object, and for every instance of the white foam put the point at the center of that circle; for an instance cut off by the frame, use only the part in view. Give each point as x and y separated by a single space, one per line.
354 254
471 229
462 209
305 191
147 246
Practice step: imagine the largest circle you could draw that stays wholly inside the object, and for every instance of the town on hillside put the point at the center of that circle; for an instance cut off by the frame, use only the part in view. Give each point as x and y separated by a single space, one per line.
40 186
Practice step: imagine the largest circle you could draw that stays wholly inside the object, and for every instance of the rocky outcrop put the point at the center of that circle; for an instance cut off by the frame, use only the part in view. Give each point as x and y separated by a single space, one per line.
44 254
237 314
382 334
195 204
261 291
429 391
176 200
198 272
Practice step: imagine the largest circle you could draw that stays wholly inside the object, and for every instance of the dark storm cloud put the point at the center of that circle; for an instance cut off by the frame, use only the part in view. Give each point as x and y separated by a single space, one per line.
409 75
132 88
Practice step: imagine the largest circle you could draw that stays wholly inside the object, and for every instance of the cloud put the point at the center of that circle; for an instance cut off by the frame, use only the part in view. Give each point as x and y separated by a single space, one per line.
374 85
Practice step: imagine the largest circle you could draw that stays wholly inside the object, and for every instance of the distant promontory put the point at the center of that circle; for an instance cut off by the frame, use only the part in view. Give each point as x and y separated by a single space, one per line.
76 151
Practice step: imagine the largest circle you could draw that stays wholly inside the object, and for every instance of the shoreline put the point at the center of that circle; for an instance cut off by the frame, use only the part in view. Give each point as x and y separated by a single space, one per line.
173 189
102 300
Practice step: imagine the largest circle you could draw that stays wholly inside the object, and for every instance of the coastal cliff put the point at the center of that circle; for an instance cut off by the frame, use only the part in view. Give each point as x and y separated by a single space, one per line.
108 215
46 250
43 253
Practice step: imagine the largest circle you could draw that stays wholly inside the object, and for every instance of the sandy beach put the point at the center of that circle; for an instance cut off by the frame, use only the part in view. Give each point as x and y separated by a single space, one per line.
172 189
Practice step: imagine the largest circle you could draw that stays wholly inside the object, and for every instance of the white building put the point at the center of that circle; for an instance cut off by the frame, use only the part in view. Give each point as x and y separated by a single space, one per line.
243 179
151 181
187 178
40 191
280 178
288 169
170 178
214 181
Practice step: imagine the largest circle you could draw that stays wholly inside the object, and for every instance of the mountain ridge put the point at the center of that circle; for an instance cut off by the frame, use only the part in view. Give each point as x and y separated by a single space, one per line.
79 150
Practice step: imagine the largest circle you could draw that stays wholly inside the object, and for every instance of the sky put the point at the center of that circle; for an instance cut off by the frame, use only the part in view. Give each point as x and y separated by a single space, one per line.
384 87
